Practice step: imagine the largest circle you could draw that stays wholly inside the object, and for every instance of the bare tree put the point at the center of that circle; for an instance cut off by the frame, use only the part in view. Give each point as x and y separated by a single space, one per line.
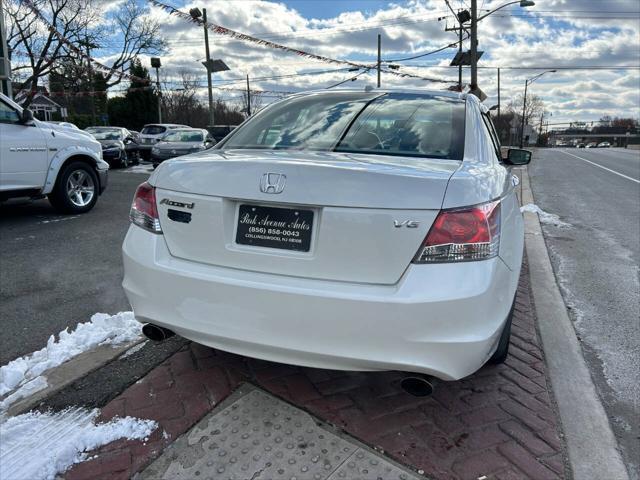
140 35
182 105
29 38
79 22
534 109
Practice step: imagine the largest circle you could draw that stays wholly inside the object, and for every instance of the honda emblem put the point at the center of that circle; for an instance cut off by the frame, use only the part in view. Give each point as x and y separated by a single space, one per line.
272 182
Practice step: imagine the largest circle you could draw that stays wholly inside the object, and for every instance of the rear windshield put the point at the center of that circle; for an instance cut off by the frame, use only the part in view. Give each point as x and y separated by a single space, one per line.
412 125
153 130
182 136
106 134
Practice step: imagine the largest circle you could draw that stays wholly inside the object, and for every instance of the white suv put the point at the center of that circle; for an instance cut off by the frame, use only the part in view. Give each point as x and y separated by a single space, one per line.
42 159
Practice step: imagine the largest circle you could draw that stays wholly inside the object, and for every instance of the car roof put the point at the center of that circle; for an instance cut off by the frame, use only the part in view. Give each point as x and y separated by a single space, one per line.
166 125
189 129
411 91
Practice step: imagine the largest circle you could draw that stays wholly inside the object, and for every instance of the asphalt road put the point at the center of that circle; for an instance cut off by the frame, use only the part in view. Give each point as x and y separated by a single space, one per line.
596 263
58 270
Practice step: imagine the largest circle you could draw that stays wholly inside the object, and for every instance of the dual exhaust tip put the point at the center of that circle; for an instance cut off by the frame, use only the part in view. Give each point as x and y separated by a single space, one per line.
418 386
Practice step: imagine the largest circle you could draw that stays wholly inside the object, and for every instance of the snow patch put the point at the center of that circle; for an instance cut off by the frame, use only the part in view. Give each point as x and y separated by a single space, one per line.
142 168
26 390
133 350
548 218
103 329
38 446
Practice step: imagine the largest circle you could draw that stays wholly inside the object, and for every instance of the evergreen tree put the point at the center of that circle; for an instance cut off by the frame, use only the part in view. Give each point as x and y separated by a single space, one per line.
139 105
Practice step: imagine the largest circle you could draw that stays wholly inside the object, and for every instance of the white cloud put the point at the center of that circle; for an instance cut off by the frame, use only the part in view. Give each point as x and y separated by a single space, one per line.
553 33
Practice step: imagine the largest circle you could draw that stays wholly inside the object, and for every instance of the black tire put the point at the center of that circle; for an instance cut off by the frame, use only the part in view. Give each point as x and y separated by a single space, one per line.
501 353
68 199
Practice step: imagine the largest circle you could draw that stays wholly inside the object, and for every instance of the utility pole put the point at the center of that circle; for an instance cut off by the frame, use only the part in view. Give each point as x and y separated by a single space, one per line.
460 53
459 29
5 61
248 98
498 93
379 57
524 111
474 45
209 86
91 88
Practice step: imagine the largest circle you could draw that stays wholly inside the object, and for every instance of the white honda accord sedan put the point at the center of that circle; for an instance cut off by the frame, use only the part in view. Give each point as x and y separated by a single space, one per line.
355 230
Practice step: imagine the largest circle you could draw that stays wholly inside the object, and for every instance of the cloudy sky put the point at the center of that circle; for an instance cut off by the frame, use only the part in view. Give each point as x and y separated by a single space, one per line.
554 34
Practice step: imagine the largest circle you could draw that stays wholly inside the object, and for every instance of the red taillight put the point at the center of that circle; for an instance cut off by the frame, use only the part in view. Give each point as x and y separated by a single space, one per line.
144 212
462 234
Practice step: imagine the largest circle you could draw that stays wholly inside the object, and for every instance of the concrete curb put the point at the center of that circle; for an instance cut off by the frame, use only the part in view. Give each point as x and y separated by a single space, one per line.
591 444
70 371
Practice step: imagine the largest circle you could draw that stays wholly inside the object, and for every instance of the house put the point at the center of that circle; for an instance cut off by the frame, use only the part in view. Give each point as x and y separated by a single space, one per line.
42 106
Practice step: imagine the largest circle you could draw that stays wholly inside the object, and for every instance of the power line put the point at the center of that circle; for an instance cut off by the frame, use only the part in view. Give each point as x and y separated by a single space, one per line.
576 67
428 53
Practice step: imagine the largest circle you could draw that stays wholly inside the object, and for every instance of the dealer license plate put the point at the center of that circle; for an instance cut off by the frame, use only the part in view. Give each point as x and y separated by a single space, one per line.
275 227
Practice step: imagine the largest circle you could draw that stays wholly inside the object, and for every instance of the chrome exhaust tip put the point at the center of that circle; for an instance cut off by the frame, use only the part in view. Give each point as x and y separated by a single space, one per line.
156 333
417 386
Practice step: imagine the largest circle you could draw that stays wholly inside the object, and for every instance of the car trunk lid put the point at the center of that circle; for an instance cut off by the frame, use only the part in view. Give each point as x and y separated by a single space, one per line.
366 215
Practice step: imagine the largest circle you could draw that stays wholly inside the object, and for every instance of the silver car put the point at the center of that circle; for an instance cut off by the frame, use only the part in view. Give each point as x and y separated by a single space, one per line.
180 142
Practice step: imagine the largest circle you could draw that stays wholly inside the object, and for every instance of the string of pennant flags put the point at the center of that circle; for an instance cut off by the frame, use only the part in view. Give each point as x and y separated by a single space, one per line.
220 30
217 29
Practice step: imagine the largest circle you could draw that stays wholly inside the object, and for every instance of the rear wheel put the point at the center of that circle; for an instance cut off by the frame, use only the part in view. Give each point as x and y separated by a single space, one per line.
124 160
500 355
76 189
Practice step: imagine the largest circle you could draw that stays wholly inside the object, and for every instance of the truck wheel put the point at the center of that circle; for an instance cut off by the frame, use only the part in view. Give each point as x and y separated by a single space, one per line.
76 189
500 355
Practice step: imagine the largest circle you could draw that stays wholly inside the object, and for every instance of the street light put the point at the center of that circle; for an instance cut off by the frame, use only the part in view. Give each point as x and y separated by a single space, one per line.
522 3
211 65
528 82
474 38
155 63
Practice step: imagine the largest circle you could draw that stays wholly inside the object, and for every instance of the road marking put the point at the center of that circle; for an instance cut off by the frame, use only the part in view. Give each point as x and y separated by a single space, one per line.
600 166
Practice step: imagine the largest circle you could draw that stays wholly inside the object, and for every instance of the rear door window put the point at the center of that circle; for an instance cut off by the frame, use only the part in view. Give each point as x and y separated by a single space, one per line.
153 130
492 134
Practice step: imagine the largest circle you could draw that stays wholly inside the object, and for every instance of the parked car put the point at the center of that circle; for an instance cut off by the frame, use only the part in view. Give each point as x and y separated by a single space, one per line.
591 145
39 159
218 132
151 133
119 146
580 145
357 230
604 145
180 142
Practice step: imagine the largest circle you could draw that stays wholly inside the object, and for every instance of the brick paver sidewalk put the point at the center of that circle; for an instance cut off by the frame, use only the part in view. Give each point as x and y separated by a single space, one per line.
499 423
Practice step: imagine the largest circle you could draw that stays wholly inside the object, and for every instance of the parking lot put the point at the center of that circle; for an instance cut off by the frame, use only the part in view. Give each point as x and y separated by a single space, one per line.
58 270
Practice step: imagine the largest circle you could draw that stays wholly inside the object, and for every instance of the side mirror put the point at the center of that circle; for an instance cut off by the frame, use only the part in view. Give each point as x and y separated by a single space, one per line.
27 116
127 140
516 156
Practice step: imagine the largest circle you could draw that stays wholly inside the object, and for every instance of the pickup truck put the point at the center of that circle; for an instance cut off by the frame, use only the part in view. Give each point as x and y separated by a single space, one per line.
39 159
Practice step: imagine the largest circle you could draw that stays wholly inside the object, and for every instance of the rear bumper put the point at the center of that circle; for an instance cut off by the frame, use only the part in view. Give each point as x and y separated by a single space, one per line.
442 320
